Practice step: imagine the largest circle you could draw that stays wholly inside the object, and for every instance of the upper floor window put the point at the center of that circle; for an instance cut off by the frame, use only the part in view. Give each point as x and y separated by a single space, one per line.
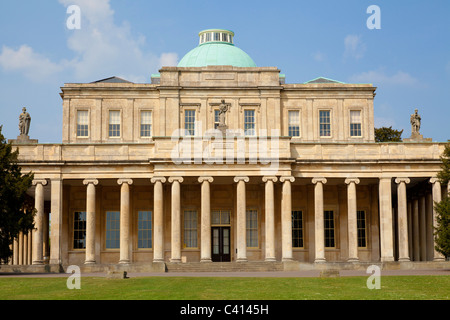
82 123
249 122
294 123
355 123
325 123
114 124
189 122
146 123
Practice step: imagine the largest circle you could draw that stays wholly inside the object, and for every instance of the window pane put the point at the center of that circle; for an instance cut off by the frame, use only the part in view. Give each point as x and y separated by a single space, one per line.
294 123
82 123
361 226
79 230
329 229
355 123
249 122
189 122
252 228
144 229
146 123
112 230
297 229
190 229
325 123
114 123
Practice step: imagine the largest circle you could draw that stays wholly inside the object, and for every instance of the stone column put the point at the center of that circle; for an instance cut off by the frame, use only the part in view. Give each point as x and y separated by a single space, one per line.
318 219
56 221
270 217
125 220
386 237
403 243
158 250
176 218
423 230
286 218
25 249
352 219
15 251
437 197
90 220
38 236
241 219
415 216
205 232
21 248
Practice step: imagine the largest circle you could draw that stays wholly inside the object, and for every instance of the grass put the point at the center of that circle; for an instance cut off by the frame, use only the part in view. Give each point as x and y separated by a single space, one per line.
223 288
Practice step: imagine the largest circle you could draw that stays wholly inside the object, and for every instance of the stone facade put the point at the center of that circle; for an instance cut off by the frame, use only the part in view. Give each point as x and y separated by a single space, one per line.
319 193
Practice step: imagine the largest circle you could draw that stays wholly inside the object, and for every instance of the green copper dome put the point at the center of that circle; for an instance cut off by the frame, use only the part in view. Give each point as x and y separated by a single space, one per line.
216 48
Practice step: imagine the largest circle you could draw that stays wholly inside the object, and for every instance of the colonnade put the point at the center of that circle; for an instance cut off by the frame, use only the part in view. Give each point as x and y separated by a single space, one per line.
410 218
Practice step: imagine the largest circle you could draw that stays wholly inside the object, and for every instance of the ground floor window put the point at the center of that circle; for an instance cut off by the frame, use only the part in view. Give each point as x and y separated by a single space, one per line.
190 229
252 228
361 226
297 229
79 230
329 229
112 230
144 229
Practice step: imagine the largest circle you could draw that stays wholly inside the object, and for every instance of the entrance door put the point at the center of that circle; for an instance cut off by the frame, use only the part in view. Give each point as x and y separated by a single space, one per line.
220 244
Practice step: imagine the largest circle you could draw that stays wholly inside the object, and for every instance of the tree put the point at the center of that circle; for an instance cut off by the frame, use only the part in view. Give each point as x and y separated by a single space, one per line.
442 230
16 213
385 134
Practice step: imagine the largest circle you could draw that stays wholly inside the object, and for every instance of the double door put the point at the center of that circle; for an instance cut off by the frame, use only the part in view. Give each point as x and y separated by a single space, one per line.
220 244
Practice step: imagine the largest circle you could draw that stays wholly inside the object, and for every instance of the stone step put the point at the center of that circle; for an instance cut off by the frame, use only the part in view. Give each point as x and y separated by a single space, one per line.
224 267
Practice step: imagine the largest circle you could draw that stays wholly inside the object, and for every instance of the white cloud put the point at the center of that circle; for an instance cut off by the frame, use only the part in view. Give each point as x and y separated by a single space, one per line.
101 48
380 77
319 56
33 65
354 47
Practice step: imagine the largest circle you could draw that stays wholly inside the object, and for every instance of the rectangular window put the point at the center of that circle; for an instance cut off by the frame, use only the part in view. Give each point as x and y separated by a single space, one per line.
220 217
79 230
361 226
190 229
294 123
329 229
82 123
144 229
249 122
216 119
114 124
252 228
325 123
146 123
189 122
112 230
216 36
355 123
297 229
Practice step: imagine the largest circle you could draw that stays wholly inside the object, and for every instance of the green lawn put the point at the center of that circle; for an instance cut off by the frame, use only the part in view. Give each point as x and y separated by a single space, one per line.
223 288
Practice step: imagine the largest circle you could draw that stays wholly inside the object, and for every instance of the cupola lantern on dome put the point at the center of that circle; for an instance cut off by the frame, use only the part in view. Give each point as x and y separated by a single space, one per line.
216 48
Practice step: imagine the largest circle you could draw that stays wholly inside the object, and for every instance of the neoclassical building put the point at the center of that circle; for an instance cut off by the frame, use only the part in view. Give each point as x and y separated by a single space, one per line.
220 160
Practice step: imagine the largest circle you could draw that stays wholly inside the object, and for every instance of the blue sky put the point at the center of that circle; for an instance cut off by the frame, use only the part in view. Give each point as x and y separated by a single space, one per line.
408 59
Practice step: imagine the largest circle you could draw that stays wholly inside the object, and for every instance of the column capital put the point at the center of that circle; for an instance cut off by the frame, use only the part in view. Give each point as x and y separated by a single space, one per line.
269 178
402 179
350 180
158 179
287 178
202 179
40 181
319 179
122 181
241 178
177 179
89 181
434 180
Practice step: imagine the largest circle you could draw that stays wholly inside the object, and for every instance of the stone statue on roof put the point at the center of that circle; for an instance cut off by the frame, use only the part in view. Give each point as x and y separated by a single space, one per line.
223 109
415 122
24 122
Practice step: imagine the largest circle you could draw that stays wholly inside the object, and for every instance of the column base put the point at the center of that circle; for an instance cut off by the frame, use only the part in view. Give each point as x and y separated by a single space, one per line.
158 260
438 259
206 260
89 262
124 262
37 263
270 260
404 260
241 260
175 260
320 260
287 259
353 260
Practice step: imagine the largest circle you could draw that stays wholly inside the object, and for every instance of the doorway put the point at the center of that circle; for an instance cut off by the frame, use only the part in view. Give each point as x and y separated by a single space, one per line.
220 244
